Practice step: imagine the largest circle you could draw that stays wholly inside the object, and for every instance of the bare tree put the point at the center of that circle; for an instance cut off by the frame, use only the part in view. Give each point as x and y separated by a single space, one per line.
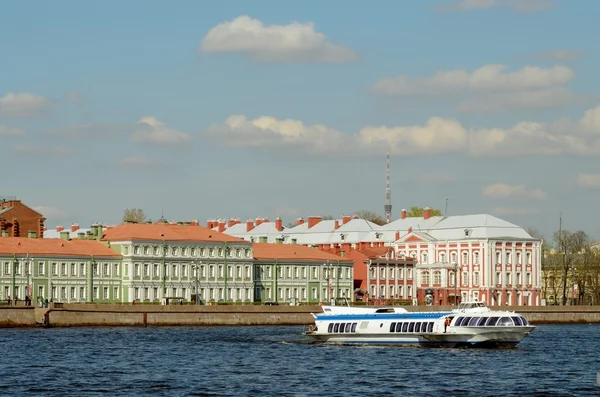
327 218
135 215
570 246
418 212
371 217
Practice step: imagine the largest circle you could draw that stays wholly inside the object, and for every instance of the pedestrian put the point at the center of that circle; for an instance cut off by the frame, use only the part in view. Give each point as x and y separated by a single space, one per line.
8 300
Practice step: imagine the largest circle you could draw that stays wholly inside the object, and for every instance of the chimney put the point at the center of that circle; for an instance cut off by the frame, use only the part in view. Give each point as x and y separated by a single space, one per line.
403 214
294 241
64 235
397 236
221 226
299 221
258 221
81 236
74 227
249 225
426 213
410 229
345 219
31 234
5 233
278 224
60 228
195 223
230 222
313 220
337 224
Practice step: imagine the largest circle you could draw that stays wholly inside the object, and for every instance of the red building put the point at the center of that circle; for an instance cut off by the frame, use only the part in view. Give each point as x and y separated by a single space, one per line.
18 220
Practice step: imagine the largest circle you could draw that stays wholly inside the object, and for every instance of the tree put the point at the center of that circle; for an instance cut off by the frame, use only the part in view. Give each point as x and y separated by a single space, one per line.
417 212
570 246
371 217
327 218
134 215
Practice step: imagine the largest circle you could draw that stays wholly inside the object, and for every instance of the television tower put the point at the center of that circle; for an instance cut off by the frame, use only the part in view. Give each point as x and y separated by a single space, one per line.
387 208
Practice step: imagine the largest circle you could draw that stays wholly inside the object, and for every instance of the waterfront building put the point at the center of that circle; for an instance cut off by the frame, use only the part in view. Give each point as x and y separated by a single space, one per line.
455 257
181 262
59 270
286 273
19 220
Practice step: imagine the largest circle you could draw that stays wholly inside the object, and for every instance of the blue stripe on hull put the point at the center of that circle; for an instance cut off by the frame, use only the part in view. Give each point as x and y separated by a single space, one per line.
381 316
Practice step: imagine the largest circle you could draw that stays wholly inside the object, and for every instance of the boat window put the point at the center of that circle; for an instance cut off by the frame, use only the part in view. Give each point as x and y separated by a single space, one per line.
517 321
491 322
459 321
398 327
424 327
411 327
336 328
505 322
330 328
418 327
405 326
524 320
464 322
481 321
430 327
392 327
353 327
473 321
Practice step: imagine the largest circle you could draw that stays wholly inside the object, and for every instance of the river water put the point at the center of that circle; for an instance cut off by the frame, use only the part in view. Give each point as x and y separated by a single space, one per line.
556 360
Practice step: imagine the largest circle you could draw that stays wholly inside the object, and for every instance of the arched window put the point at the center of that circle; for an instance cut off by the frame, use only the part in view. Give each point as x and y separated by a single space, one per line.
453 257
465 258
425 277
443 257
437 277
476 258
424 258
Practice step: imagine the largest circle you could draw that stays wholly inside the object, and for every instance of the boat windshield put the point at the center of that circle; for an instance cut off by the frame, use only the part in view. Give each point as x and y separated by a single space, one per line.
470 305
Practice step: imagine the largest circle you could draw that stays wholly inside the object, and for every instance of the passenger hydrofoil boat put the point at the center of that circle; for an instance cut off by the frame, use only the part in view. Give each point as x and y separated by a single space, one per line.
473 324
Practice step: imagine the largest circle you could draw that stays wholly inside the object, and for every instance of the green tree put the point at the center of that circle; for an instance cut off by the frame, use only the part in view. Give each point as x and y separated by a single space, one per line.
418 212
371 217
136 215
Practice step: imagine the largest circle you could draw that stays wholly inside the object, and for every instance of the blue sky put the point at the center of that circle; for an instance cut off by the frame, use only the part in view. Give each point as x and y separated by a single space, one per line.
268 108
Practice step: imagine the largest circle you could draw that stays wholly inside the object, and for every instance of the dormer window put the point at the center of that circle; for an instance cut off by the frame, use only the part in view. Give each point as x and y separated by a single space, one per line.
342 236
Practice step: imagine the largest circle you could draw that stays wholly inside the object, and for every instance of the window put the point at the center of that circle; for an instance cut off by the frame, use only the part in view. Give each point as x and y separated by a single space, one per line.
106 269
202 271
146 270
518 277
518 258
116 269
184 251
156 270
126 250
116 293
40 291
63 269
136 293
400 273
476 278
105 293
193 252
288 272
82 293
453 254
452 278
174 271
146 293
437 277
528 278
184 270
212 271
497 280
507 279
238 271
174 251
73 269
465 258
96 292
247 271
229 271
155 292
498 256
41 268
136 250
391 273
202 252
409 273
465 278
508 258
296 274
476 258
381 273
372 272
156 251
54 269
425 277
528 258
304 272
409 290
424 258
96 269
146 250
82 269
136 270
442 257
72 293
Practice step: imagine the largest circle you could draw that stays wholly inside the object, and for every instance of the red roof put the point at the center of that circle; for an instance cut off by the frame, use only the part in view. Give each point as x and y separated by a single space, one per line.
159 232
292 252
54 247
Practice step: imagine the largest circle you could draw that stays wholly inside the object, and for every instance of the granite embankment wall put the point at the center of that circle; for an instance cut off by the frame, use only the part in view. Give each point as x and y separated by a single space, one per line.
73 315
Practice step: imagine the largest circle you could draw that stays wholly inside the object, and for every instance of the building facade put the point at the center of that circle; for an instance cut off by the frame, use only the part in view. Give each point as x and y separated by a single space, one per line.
18 220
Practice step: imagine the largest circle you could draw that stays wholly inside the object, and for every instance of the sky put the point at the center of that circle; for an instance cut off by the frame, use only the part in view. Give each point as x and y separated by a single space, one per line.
212 109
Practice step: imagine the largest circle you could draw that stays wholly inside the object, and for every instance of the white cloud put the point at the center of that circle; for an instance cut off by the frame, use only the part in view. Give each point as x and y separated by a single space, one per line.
563 136
150 130
437 135
139 161
500 211
553 97
560 55
274 43
588 180
23 105
516 5
435 178
513 192
32 150
51 213
485 78
6 131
